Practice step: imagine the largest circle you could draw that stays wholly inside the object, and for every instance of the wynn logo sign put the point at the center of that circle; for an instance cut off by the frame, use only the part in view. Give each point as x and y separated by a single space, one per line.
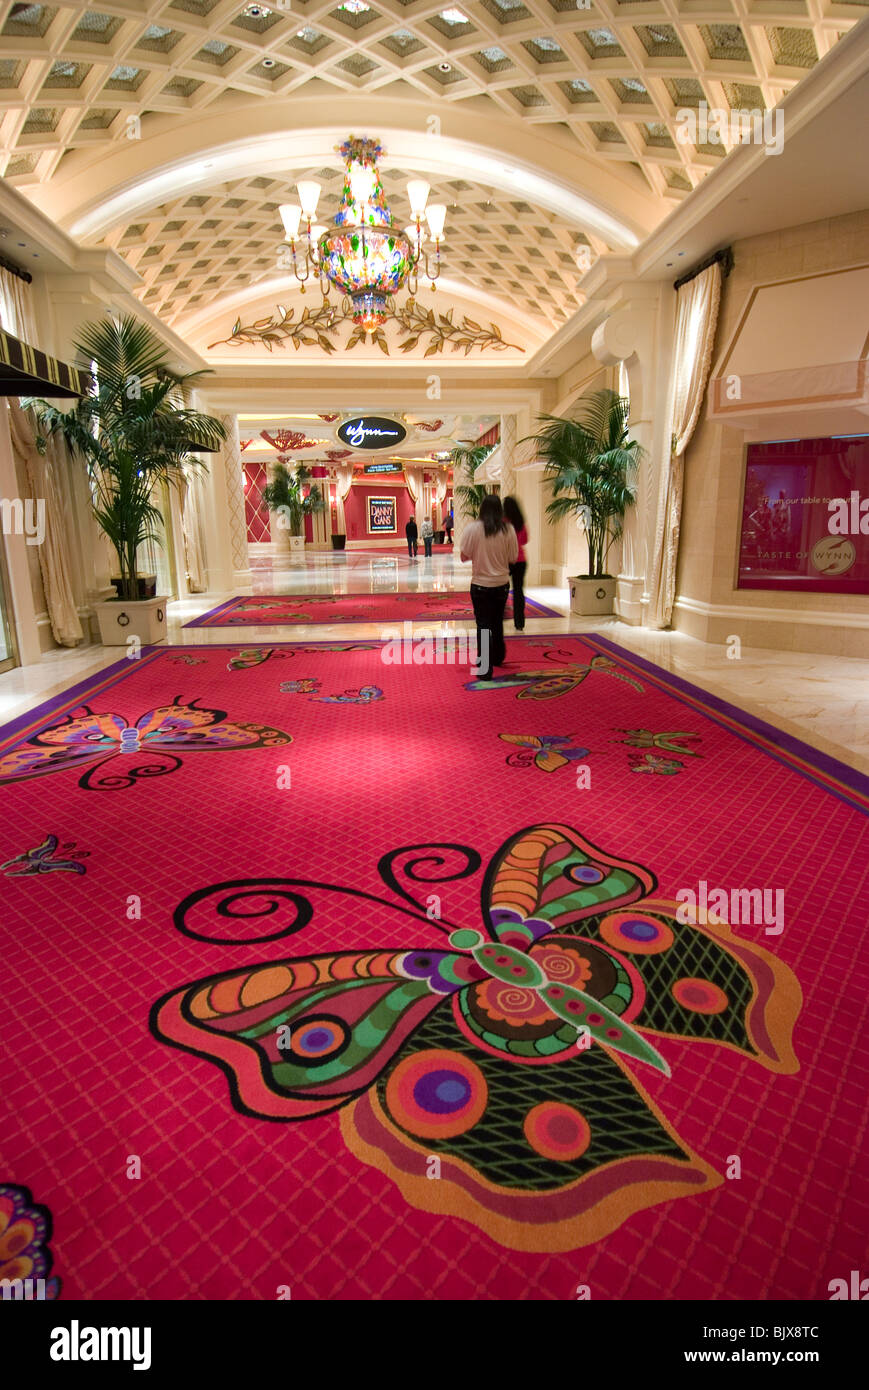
372 432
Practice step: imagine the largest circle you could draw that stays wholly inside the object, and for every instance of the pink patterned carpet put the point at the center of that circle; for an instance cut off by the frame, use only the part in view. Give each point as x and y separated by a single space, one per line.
432 887
270 609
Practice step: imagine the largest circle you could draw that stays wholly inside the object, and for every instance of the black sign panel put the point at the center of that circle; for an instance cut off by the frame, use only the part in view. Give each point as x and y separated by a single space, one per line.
372 432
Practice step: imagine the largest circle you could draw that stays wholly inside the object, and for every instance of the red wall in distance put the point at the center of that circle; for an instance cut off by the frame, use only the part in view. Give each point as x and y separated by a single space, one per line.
356 512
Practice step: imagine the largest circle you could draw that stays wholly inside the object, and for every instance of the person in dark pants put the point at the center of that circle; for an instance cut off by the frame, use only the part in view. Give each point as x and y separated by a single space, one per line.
427 533
448 527
491 546
513 513
412 536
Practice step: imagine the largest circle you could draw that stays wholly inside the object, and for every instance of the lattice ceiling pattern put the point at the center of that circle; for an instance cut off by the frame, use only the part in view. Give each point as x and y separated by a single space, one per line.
614 74
195 248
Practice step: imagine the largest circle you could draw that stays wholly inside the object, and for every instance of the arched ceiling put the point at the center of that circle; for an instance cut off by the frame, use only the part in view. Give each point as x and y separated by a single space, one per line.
581 99
221 240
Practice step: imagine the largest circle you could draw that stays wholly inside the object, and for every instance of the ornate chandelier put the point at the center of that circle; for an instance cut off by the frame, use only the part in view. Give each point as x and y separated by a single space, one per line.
364 257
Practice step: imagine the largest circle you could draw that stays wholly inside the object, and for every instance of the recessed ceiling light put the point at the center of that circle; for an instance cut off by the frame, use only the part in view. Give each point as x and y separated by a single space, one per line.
268 62
445 67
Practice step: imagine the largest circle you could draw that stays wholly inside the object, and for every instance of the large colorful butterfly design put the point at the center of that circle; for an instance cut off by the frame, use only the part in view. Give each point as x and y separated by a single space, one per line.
549 684
115 754
511 1054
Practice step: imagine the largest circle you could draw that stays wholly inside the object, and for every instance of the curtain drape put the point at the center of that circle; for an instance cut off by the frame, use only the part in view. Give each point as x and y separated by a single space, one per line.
343 482
42 471
54 556
696 319
191 529
16 314
414 477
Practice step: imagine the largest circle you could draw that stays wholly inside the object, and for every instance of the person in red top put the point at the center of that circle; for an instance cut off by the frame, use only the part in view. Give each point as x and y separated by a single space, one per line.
513 514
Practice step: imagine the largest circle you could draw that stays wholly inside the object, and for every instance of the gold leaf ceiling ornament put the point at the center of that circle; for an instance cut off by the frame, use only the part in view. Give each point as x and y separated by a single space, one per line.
319 328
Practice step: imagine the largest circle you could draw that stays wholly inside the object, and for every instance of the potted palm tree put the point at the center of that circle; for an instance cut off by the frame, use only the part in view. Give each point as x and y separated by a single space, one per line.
134 435
590 464
465 460
286 496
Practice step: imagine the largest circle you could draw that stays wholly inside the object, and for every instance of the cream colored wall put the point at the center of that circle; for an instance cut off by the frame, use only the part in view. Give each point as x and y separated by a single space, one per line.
563 550
708 604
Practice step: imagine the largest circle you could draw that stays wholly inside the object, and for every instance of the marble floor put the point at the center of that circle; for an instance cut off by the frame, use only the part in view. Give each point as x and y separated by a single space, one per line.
823 700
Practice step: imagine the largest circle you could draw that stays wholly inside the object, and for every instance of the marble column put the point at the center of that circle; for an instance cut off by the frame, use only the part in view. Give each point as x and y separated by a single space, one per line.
230 456
531 495
216 533
632 336
508 455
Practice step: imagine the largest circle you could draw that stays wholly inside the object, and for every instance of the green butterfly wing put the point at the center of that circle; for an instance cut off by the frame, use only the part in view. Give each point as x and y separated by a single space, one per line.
301 1036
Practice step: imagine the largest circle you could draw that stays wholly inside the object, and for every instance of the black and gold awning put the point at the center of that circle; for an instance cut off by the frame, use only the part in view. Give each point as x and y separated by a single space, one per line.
25 371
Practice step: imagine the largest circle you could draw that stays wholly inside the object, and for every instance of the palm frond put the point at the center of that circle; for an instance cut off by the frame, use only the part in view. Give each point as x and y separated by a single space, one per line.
134 432
589 465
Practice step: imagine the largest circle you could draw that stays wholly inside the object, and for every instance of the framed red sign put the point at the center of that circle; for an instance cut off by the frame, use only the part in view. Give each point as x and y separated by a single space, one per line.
382 516
805 516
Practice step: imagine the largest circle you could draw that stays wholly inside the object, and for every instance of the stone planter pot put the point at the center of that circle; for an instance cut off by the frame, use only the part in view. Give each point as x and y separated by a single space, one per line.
147 586
297 543
120 619
591 597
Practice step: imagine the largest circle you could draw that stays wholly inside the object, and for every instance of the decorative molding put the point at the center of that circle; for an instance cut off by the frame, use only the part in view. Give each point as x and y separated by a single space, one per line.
319 327
287 440
817 617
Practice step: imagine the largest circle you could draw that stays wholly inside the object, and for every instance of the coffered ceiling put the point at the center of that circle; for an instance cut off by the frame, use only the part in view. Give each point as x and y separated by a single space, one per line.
607 80
194 247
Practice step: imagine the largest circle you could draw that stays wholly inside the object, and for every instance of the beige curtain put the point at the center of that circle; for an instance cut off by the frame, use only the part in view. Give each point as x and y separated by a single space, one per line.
15 312
414 477
43 473
696 319
191 528
54 556
343 482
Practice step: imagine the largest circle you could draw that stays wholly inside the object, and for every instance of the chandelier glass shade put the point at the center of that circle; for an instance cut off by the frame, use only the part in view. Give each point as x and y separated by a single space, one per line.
364 256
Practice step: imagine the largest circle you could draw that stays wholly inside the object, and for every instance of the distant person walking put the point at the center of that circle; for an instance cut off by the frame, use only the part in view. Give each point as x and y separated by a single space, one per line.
412 535
491 546
448 527
427 533
513 513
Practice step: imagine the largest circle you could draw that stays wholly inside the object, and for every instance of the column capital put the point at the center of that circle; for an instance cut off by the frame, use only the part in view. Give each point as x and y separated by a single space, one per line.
629 331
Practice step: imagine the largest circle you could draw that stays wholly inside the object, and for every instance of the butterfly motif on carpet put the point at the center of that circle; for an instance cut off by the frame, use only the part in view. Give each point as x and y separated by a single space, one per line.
512 1051
113 753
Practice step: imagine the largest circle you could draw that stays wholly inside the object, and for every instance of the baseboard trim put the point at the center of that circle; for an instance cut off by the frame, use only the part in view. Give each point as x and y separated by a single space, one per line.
743 613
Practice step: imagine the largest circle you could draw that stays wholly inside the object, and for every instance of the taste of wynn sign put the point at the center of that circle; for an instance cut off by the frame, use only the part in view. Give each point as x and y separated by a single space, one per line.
805 516
372 432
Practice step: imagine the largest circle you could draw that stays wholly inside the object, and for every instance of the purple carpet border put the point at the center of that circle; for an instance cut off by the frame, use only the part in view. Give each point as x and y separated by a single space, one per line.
824 763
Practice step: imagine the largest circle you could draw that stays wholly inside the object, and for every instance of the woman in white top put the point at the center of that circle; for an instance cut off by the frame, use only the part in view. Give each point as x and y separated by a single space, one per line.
491 546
